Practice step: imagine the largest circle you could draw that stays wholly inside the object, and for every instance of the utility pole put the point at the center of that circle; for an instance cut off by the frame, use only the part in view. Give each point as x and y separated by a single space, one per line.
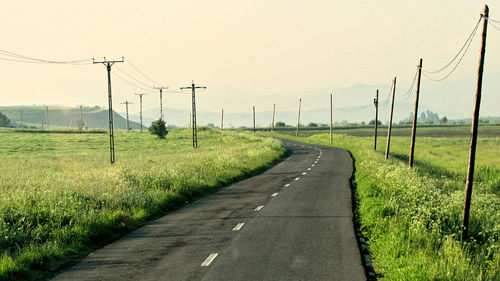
473 139
140 112
414 126
222 120
375 101
390 121
298 120
272 124
126 103
22 122
195 131
80 127
331 118
254 119
47 116
161 88
108 65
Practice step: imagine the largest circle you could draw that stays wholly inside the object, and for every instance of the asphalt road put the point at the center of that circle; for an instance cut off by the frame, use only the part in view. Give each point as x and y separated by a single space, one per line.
292 222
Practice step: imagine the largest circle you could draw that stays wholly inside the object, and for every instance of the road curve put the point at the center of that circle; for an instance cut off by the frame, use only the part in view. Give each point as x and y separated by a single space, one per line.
292 222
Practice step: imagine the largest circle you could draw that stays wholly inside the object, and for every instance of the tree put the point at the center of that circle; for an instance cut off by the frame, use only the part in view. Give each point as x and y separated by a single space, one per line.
312 125
372 122
158 128
444 120
280 124
4 121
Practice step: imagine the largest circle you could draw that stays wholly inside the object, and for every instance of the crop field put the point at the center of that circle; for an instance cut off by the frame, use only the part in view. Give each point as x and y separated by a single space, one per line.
412 218
438 131
60 197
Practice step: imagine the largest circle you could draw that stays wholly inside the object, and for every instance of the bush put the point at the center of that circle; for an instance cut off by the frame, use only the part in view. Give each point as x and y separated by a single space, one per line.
158 128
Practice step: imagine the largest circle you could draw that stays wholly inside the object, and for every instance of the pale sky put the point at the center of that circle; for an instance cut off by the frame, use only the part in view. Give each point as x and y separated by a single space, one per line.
261 46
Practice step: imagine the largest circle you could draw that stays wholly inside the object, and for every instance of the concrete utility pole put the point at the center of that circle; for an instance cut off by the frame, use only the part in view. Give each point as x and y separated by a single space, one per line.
475 120
254 119
222 120
272 124
140 112
390 121
415 114
298 120
375 101
161 88
126 103
47 116
108 65
195 131
331 118
80 127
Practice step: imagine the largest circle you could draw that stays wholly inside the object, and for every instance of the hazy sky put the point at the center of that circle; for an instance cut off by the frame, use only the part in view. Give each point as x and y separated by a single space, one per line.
260 46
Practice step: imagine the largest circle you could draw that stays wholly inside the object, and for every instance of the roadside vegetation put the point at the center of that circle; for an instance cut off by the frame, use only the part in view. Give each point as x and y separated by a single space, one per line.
60 197
412 218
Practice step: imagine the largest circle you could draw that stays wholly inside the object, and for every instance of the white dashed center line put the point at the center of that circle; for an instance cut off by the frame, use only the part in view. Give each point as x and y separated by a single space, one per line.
210 259
274 194
312 165
297 178
286 185
259 208
308 169
238 226
304 173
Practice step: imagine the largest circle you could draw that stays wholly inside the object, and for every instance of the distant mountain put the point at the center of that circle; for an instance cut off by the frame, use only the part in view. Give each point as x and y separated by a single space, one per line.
93 117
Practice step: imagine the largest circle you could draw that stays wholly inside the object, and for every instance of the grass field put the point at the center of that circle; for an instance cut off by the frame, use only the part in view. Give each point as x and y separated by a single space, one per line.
412 218
60 197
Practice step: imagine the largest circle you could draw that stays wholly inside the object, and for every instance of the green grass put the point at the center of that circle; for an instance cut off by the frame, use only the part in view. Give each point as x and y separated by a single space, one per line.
60 197
412 218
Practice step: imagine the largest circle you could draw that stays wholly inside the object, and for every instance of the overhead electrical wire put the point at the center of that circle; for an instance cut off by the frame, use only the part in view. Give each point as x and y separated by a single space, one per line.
23 58
466 43
130 83
130 76
142 73
410 90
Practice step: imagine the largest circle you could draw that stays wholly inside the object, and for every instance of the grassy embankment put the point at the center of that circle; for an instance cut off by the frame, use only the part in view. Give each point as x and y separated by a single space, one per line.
60 197
412 218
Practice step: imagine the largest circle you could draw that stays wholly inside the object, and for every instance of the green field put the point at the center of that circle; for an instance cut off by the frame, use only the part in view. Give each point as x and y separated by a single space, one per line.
412 218
60 197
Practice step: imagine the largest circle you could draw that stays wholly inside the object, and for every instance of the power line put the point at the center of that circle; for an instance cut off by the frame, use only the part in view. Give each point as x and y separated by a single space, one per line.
23 58
142 73
128 82
410 90
454 68
130 76
467 42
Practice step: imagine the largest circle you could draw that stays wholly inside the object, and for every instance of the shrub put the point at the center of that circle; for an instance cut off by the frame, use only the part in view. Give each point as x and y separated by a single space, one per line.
158 128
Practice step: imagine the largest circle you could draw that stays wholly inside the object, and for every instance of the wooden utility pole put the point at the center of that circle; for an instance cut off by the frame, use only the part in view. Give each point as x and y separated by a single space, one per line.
415 114
272 124
222 120
375 101
47 116
193 95
331 118
108 65
126 103
298 120
254 119
140 111
390 121
475 120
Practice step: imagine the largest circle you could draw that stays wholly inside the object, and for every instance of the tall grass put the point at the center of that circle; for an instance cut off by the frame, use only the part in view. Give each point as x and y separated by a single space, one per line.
412 218
59 196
